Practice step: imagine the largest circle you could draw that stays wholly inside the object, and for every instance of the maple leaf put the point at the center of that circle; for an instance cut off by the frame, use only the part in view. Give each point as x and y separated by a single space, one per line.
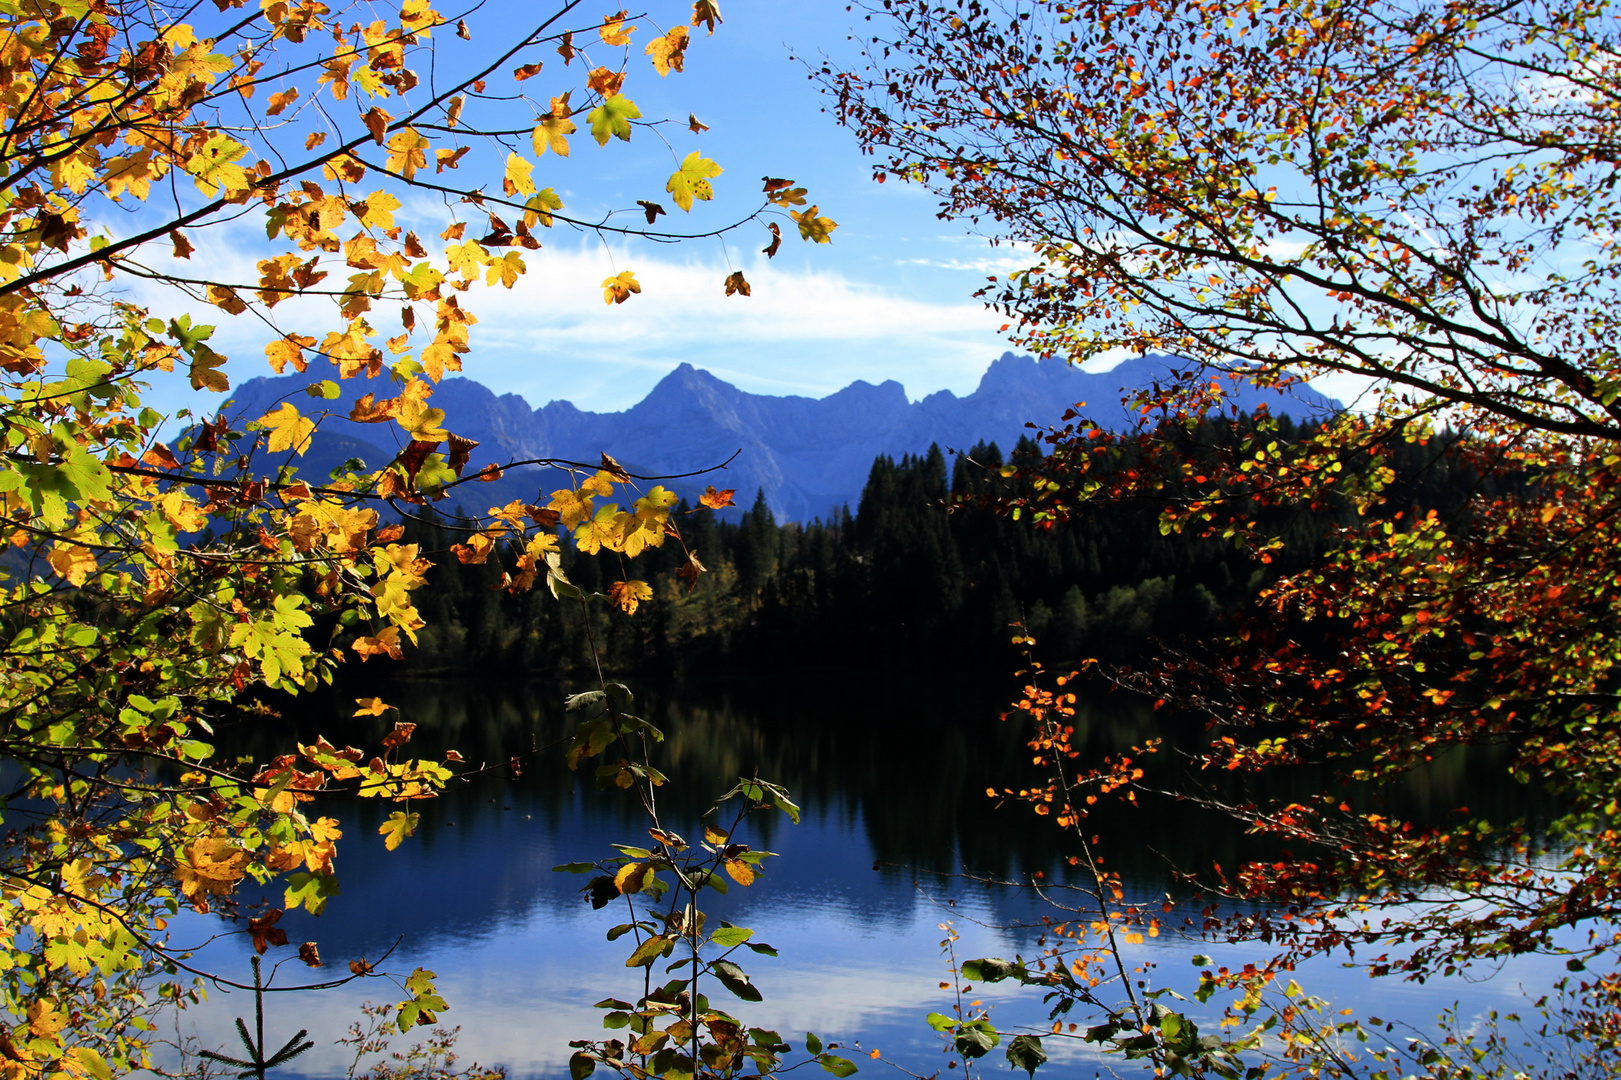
407 152
517 180
72 562
214 166
816 229
182 511
629 595
612 119
571 507
618 289
212 866
385 642
717 499
264 932
376 121
505 270
613 30
288 429
736 283
691 181
669 52
368 411
371 707
706 12
398 826
553 131
310 953
770 250
691 570
605 81
651 209
279 101
602 530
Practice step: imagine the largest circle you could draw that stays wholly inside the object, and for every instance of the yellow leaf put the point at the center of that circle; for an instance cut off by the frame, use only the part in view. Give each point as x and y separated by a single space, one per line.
412 413
72 562
706 12
813 228
517 180
617 289
212 867
599 532
182 511
632 877
629 595
288 430
398 826
552 134
379 211
668 52
740 871
370 706
384 643
613 30
288 350
691 181
506 269
406 152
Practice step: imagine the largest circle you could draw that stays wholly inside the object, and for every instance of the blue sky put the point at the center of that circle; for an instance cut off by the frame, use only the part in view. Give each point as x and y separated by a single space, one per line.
890 298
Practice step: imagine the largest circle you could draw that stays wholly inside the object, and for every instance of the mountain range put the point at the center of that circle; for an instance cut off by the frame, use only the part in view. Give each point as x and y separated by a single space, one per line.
809 456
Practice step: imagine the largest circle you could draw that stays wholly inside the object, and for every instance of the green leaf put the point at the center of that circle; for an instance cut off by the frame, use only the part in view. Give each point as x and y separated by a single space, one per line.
574 868
580 1066
735 979
836 1065
987 970
813 1045
728 936
1025 1052
976 1038
612 118
310 891
940 1021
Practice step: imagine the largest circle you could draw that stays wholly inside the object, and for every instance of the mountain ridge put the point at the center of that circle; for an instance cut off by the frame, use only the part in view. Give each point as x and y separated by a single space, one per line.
810 456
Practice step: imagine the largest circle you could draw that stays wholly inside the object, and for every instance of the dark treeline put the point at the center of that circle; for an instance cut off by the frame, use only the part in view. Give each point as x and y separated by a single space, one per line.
900 582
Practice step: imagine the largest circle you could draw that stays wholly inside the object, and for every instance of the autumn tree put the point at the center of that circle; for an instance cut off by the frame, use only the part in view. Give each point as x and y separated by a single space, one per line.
158 567
1419 198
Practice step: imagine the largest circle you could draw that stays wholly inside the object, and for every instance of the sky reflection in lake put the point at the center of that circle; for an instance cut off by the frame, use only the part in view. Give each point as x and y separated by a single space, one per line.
894 778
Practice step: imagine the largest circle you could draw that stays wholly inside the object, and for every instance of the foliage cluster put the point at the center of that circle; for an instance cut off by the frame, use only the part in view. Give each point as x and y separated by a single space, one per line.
1419 196
154 577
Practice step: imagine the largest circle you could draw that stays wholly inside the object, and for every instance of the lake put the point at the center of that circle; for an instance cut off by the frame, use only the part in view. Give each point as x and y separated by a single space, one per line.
896 837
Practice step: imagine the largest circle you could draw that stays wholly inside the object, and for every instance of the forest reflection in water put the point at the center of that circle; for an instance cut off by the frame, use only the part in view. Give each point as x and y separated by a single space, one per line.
897 834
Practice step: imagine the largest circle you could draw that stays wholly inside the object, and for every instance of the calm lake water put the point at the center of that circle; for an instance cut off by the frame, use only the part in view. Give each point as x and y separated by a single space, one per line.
892 779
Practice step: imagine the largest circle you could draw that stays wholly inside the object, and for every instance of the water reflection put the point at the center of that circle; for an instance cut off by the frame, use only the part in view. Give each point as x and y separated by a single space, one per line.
892 781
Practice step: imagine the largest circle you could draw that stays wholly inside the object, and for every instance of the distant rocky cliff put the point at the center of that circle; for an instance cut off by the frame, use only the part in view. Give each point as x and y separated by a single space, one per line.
809 455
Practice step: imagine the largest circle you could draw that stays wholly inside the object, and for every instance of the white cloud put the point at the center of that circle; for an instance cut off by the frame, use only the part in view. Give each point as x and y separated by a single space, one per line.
552 336
799 333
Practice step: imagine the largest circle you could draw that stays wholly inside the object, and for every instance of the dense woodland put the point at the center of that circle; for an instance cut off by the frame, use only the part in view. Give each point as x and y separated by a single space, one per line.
924 572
